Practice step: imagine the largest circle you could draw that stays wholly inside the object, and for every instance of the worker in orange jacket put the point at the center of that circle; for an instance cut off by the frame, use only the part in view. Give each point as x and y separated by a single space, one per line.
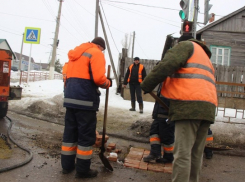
85 74
134 76
64 71
189 83
161 134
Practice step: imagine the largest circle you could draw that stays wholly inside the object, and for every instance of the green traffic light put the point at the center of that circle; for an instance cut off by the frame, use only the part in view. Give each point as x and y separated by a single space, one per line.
182 14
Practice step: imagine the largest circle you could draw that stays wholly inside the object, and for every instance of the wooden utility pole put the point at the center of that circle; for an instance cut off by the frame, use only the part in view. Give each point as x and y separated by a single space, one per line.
55 43
96 18
108 47
132 55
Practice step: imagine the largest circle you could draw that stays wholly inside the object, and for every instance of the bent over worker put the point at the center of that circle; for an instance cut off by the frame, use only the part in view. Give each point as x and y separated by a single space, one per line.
134 76
85 74
161 134
207 151
189 84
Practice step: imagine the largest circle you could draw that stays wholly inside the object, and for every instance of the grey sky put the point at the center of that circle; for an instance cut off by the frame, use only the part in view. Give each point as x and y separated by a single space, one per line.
152 21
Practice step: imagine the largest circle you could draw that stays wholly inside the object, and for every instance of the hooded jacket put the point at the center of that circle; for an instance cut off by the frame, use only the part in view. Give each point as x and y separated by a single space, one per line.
85 73
175 59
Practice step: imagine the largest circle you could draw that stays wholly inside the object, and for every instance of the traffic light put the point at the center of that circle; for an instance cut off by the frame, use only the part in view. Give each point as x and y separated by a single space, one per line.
187 27
207 7
184 4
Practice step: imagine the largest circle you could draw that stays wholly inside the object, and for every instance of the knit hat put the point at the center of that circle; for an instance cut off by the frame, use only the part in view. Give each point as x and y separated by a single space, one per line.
185 37
136 58
99 41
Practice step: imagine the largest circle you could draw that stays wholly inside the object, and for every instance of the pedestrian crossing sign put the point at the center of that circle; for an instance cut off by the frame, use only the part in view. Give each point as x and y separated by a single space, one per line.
32 35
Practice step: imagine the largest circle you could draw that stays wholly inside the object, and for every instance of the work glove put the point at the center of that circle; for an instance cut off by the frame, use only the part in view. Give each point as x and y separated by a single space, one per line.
110 81
146 92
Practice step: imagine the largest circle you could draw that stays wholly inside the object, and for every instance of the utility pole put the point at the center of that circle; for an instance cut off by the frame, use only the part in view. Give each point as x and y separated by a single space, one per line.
108 48
51 68
132 55
96 18
21 53
195 18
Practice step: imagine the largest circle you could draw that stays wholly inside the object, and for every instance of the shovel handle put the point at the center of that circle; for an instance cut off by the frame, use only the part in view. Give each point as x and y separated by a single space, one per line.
105 111
159 101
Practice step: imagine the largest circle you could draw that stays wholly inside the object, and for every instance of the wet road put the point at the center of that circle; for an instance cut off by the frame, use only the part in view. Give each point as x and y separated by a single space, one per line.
44 139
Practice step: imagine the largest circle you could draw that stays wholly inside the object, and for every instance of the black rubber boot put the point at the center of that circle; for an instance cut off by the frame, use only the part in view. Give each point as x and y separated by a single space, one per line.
90 174
167 158
208 153
141 108
132 106
67 171
151 158
154 155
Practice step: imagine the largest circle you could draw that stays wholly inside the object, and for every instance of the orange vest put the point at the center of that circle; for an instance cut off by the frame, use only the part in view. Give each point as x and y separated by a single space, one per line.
139 73
64 70
193 82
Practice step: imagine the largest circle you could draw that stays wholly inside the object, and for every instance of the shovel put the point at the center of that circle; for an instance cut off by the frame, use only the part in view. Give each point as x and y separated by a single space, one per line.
104 160
159 101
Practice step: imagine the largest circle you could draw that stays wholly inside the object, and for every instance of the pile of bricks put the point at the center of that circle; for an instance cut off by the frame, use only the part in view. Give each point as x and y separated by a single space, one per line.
135 160
112 151
98 140
110 148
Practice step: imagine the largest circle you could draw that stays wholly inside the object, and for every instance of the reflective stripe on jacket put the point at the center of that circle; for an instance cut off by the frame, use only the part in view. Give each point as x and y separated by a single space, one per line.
193 82
139 73
85 73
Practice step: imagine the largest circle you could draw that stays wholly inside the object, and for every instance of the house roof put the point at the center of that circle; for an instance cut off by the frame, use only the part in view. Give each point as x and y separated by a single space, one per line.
26 58
44 65
221 20
4 40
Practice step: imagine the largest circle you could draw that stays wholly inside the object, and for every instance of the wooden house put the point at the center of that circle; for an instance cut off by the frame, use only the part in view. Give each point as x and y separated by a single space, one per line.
226 39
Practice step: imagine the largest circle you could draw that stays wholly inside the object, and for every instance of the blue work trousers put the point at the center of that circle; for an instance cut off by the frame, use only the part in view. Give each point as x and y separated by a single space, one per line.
80 126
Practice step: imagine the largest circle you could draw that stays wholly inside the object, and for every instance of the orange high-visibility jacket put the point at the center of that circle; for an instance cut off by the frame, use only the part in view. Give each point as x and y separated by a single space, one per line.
64 71
85 73
194 82
139 73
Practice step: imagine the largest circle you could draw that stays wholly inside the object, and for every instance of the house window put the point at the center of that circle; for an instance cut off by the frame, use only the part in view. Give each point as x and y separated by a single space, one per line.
220 55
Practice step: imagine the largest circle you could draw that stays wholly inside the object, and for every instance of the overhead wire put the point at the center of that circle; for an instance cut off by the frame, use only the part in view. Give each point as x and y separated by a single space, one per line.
84 8
76 20
68 30
109 28
141 13
11 32
141 48
142 5
29 17
49 10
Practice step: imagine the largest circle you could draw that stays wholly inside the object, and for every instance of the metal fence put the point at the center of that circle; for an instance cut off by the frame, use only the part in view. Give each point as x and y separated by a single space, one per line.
37 76
230 84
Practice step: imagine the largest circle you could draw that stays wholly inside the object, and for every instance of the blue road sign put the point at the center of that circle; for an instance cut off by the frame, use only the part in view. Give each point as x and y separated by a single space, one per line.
32 35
